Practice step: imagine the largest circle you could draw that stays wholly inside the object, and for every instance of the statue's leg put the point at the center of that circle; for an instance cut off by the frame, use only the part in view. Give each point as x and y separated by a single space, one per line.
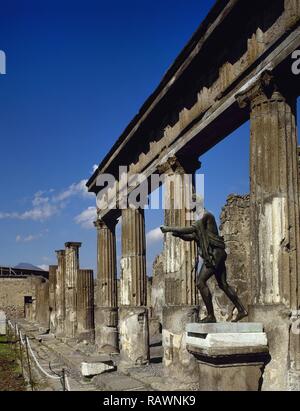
221 275
204 275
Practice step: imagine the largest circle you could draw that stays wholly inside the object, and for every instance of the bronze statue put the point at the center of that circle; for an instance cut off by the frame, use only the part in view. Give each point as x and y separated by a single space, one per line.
211 248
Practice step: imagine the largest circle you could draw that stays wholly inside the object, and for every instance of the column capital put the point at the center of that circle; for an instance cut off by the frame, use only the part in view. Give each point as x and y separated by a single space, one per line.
263 88
180 165
73 245
104 223
60 252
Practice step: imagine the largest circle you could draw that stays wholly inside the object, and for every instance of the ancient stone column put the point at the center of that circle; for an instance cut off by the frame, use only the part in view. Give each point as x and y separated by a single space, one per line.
180 284
85 306
42 304
274 233
52 297
133 322
72 268
106 313
60 293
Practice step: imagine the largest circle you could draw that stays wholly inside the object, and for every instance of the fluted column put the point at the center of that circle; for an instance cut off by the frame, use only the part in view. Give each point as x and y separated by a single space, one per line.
134 334
179 256
274 204
52 297
60 293
106 320
72 268
85 306
133 264
179 262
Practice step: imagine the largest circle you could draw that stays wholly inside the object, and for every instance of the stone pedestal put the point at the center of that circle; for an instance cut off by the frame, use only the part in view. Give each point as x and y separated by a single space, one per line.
2 323
134 336
179 364
231 357
107 338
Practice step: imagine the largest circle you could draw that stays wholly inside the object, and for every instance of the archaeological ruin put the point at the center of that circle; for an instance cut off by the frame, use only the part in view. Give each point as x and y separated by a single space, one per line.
236 68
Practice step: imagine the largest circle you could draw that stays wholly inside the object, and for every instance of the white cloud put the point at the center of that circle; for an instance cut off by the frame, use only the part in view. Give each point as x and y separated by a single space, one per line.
154 236
95 168
87 217
46 206
30 237
44 267
74 190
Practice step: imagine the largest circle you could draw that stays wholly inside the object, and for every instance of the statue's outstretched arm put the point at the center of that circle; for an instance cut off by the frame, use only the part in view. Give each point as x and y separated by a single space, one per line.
186 237
178 230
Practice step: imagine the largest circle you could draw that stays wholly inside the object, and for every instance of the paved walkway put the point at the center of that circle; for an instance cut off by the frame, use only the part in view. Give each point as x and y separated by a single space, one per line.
49 349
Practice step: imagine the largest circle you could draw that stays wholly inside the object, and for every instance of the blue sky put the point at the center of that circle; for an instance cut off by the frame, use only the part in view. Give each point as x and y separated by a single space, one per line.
77 72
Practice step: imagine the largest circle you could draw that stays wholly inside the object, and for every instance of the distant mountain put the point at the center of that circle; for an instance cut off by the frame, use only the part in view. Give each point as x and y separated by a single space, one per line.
27 266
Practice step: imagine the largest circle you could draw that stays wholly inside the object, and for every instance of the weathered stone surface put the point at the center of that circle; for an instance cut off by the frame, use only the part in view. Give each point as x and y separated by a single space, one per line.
198 328
178 363
237 377
2 323
158 288
106 315
274 210
85 306
107 336
90 369
72 268
134 336
42 304
52 297
60 293
133 323
178 256
232 340
133 262
13 292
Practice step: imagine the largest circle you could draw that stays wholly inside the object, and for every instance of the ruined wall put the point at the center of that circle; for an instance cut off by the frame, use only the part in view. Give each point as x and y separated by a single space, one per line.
12 294
235 228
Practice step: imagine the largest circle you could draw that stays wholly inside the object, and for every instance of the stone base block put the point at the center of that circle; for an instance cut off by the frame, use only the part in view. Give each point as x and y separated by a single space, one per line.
134 337
89 369
230 377
178 363
277 325
106 331
228 360
86 336
294 381
155 328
